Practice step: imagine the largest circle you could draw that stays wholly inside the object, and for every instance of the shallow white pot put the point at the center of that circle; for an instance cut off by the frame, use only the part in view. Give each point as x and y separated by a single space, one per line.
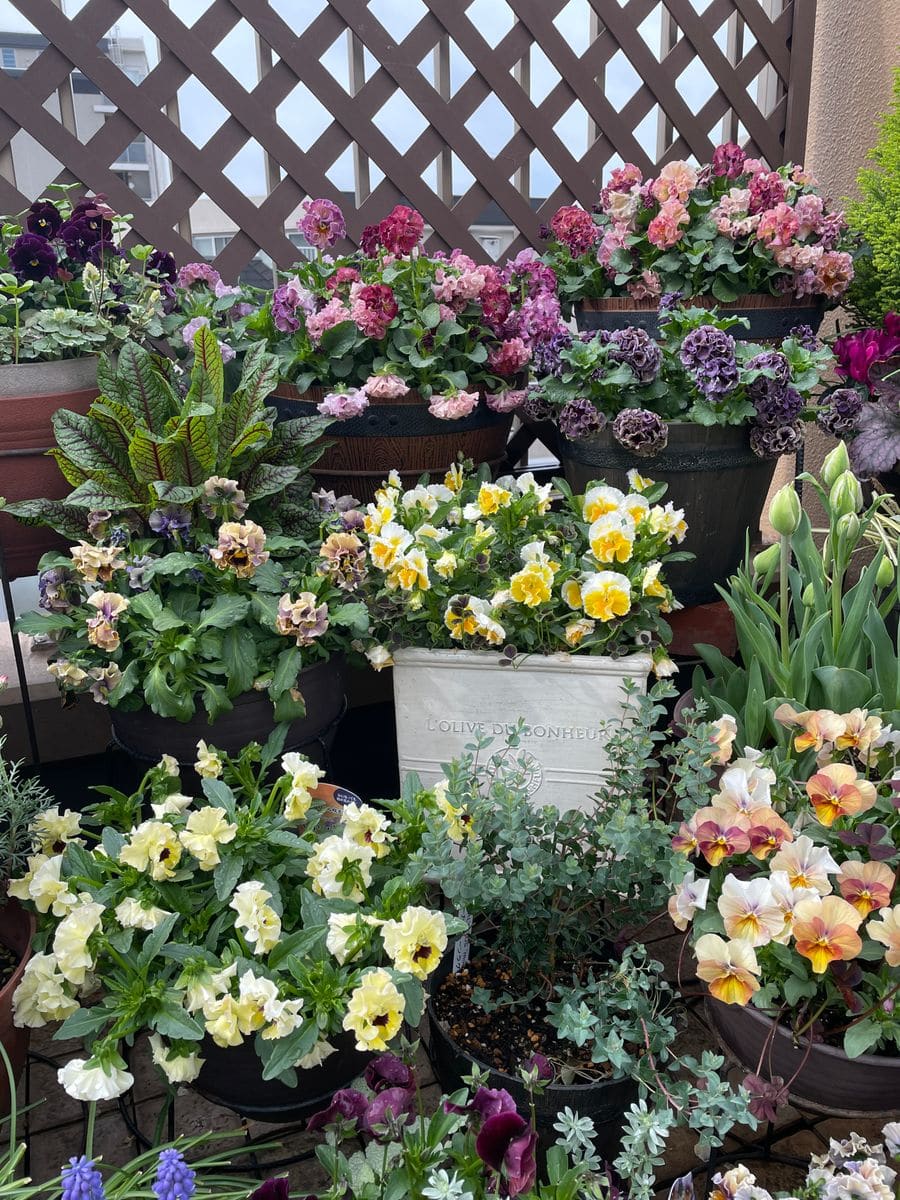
445 699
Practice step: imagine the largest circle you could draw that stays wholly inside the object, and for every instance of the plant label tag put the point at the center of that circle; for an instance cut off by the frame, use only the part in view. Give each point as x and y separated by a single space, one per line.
461 950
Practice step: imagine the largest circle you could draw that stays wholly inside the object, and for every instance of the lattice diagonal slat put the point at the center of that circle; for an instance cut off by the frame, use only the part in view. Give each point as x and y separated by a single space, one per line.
755 56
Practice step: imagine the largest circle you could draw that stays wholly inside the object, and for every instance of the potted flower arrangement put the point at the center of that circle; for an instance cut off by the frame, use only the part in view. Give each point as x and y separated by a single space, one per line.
67 292
763 244
266 942
793 908
177 605
553 982
811 620
468 576
709 415
198 296
24 812
416 357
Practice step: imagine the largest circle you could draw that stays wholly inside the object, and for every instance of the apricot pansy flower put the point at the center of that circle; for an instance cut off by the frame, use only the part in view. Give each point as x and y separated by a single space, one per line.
866 885
825 931
729 968
887 931
837 791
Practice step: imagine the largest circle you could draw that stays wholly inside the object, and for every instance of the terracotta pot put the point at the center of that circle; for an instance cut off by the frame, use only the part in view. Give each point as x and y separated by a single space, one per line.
30 394
396 435
828 1080
605 1101
232 1076
712 474
16 931
145 736
771 317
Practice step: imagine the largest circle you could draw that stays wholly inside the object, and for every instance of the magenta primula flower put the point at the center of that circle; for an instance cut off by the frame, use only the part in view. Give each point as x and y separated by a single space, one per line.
322 223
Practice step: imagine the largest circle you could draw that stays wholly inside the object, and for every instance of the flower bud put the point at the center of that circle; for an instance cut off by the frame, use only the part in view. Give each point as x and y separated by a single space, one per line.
845 495
848 529
809 596
884 576
767 560
827 559
785 511
837 461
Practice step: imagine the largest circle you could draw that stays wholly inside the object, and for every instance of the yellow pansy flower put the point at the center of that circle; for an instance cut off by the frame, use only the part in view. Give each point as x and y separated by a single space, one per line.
446 565
367 827
532 585
638 482
651 585
490 499
416 942
208 764
600 500
571 593
389 544
577 631
637 507
153 847
669 521
206 830
454 478
611 538
410 571
606 595
375 1011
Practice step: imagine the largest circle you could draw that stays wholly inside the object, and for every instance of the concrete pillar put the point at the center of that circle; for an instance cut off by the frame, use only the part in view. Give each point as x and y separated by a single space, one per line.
857 47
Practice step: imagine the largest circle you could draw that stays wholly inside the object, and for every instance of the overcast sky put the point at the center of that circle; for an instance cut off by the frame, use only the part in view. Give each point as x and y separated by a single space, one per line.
304 118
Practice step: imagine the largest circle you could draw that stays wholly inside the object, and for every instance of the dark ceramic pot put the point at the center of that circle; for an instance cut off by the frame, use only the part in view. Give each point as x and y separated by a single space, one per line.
145 736
827 1080
392 435
771 317
711 473
232 1076
605 1102
16 931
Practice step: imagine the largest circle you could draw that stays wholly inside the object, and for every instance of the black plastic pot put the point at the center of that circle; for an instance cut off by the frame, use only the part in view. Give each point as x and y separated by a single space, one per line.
232 1076
146 737
712 474
605 1102
771 317
821 1076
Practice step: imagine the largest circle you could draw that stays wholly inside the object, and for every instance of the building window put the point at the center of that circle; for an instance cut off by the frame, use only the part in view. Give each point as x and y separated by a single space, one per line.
136 152
491 246
138 181
306 251
208 245
9 58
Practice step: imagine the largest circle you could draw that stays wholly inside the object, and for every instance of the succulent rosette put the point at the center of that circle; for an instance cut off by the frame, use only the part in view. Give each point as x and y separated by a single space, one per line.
474 564
696 372
726 229
391 318
247 911
786 876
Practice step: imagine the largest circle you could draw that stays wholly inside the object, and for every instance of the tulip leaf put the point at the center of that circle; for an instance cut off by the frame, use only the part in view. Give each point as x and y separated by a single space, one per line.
840 689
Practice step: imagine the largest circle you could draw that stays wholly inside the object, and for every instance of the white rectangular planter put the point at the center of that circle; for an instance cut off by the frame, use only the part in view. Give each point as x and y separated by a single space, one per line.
444 699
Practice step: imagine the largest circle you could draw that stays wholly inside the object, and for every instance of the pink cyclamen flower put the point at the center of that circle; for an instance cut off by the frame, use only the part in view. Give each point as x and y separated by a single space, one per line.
451 408
187 333
198 272
334 313
506 401
384 387
343 405
322 223
665 229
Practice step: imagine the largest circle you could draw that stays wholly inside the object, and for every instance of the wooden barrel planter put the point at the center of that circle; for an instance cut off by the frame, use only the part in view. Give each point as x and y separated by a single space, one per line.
771 317
146 737
711 473
399 435
16 932
30 393
821 1076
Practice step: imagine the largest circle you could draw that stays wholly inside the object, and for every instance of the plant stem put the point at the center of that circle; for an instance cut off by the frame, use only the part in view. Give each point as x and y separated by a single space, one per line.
89 1134
784 602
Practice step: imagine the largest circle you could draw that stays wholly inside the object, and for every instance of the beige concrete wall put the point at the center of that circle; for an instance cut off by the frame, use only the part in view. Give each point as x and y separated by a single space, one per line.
856 49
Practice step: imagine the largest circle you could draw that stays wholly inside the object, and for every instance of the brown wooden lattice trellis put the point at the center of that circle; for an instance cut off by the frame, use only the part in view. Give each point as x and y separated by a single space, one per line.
762 90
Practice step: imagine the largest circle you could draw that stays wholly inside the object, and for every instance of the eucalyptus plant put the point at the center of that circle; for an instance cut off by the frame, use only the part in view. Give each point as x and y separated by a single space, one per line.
811 621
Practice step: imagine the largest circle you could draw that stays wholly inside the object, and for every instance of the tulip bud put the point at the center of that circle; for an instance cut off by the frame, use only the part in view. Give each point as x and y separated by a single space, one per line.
845 495
785 511
809 596
766 560
827 559
884 576
837 461
848 529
